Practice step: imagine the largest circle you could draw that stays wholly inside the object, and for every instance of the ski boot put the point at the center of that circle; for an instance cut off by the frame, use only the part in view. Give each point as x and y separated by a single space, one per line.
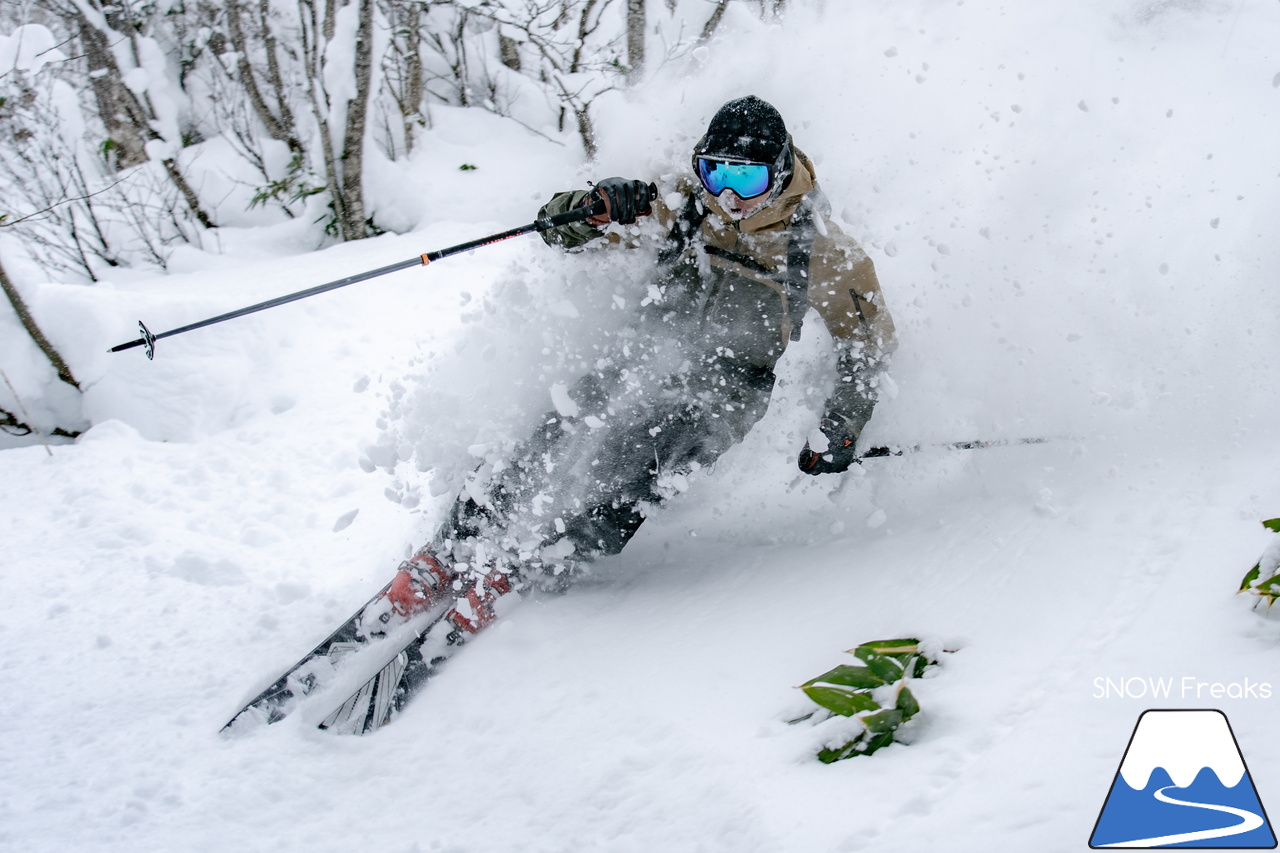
474 610
420 582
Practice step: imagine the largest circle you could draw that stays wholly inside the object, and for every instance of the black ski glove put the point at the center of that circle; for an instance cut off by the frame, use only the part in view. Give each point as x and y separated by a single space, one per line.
842 439
624 199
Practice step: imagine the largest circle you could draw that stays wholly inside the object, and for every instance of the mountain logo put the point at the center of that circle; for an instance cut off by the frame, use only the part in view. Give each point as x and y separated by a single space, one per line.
1183 783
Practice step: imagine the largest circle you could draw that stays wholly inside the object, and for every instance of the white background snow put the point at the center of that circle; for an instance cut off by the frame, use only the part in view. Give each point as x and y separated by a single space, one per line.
1072 208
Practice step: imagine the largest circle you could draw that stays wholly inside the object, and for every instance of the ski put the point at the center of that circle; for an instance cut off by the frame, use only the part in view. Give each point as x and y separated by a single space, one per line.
376 702
420 583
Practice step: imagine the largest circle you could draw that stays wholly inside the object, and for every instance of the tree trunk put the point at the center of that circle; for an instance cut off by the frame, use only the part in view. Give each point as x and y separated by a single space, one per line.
127 119
714 21
118 107
29 323
508 51
413 88
353 218
587 131
276 128
277 79
635 40
188 192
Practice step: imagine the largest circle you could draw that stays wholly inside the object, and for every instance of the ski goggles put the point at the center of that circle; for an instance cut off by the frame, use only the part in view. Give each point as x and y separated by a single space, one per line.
747 180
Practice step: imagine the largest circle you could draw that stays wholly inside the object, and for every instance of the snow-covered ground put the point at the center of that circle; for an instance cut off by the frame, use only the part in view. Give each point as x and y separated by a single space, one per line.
1072 209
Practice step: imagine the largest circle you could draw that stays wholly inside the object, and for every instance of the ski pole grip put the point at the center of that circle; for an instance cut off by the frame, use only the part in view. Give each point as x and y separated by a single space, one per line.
582 214
577 214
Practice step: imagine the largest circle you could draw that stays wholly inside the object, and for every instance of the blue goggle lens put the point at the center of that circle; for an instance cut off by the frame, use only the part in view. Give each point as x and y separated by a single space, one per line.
747 180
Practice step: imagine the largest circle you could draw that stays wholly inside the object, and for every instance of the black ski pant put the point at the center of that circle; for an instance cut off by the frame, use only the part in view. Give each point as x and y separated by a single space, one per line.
581 484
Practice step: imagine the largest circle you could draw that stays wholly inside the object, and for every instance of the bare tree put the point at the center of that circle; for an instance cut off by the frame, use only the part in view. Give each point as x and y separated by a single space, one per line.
579 57
402 71
279 123
131 121
67 203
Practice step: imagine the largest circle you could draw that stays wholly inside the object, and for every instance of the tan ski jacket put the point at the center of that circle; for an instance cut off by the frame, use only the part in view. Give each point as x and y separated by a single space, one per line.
753 280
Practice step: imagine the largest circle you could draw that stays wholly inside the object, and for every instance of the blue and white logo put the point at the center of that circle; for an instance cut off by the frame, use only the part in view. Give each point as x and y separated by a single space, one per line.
1183 783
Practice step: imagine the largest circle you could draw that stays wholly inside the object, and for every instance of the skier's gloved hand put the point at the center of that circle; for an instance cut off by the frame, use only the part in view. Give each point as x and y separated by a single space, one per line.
841 452
623 199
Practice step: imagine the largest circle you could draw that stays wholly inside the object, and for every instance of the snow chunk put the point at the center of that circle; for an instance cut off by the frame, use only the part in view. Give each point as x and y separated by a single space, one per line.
30 48
888 388
557 551
562 401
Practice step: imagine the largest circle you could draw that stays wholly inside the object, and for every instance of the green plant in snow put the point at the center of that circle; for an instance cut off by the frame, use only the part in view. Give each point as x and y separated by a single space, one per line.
1263 579
293 187
875 693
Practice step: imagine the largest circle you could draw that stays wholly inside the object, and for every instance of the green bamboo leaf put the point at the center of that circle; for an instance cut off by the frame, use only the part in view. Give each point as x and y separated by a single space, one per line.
883 721
883 666
909 646
1272 524
1250 577
837 700
848 676
907 703
917 668
839 753
878 742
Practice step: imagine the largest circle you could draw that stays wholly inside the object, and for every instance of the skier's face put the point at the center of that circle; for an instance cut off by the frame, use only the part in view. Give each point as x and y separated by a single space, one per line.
739 209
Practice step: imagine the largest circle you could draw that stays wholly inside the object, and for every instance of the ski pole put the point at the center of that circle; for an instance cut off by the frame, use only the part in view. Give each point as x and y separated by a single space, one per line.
897 450
543 223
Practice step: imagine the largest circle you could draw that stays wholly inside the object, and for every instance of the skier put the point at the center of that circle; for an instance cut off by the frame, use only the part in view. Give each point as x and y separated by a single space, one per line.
743 257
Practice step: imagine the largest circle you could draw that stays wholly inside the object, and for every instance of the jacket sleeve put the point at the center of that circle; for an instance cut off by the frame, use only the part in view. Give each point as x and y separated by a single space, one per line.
575 234
578 234
845 291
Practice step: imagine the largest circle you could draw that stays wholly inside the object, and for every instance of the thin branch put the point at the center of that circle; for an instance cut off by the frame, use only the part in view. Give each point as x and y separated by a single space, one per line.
6 222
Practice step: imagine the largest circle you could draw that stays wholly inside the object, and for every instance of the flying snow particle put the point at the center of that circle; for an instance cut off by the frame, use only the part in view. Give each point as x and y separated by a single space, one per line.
344 521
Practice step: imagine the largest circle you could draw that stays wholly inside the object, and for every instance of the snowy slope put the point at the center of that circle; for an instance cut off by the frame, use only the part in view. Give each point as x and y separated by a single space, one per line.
1071 210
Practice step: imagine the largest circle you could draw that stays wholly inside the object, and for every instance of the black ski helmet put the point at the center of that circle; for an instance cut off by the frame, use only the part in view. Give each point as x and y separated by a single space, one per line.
750 128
